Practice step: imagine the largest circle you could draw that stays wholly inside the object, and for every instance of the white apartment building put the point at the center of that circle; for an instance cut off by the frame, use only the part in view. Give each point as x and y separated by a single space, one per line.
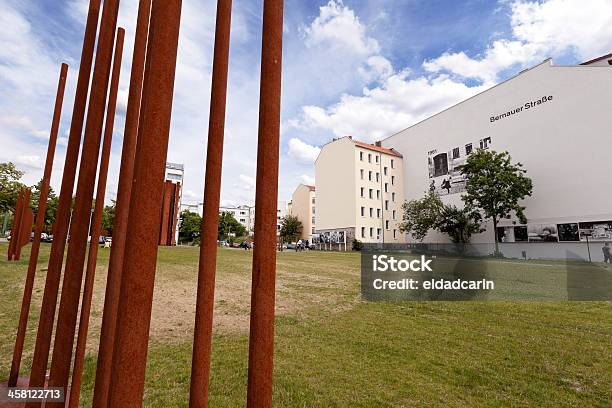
360 191
555 120
302 206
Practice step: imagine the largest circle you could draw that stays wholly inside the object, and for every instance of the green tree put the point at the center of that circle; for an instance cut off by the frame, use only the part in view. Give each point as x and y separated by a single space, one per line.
189 226
421 215
429 213
459 224
108 217
495 186
51 207
229 225
291 228
9 186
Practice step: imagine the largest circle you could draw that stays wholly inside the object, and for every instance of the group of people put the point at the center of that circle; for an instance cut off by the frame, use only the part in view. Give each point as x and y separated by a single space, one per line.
301 245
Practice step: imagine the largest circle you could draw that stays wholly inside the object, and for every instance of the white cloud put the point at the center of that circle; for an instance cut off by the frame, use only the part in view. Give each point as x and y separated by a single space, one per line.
338 26
383 110
247 182
302 152
539 30
307 179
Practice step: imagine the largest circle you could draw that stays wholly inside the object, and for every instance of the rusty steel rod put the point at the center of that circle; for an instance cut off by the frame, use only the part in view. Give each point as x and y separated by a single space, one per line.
62 220
25 225
40 220
124 188
90 273
261 336
16 226
79 227
205 300
135 300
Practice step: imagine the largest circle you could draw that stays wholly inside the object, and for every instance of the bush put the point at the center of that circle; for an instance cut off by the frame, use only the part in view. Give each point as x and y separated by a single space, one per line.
357 245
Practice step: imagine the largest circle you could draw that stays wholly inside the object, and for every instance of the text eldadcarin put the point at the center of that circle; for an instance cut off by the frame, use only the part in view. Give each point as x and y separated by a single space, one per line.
387 263
524 107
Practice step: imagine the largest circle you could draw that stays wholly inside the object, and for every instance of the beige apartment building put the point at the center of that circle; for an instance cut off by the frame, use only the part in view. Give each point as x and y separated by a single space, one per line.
360 191
302 206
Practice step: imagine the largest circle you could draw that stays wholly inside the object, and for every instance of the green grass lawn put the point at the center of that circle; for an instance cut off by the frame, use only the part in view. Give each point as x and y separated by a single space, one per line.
335 350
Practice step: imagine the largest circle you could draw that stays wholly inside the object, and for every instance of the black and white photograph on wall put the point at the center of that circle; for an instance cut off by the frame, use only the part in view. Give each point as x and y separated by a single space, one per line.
596 231
505 234
542 233
520 234
444 167
568 232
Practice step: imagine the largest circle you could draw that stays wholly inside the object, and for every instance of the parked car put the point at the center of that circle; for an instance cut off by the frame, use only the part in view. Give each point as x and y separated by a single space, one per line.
290 246
49 238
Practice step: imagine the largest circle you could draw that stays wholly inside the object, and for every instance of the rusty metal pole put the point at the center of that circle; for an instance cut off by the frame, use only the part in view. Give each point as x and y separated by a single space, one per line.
135 300
79 227
49 302
77 371
25 225
122 207
200 366
40 220
261 337
15 227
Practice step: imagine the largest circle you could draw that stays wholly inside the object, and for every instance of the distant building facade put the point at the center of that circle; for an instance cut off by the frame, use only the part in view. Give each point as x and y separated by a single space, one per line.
359 192
302 206
171 204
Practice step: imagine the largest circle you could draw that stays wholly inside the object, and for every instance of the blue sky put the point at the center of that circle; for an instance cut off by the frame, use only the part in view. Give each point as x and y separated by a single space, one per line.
364 68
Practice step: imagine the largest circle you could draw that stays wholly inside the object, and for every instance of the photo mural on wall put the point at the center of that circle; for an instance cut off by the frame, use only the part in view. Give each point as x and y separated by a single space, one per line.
444 167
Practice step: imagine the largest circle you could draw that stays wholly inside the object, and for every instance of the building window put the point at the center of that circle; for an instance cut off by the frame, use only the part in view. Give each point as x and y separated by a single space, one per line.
313 200
376 157
393 197
456 153
313 210
392 180
393 215
394 231
468 149
377 176
378 194
371 212
386 187
378 213
361 156
371 193
484 143
378 231
370 175
371 232
387 225
369 158
386 205
362 191
313 220
440 164
361 171
385 170
392 164
313 230
363 232
363 211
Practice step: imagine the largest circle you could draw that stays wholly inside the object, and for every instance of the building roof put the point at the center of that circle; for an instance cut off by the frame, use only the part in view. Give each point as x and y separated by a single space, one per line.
379 149
311 188
603 57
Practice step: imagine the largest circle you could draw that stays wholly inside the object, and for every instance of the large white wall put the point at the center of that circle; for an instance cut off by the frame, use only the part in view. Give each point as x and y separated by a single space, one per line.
564 144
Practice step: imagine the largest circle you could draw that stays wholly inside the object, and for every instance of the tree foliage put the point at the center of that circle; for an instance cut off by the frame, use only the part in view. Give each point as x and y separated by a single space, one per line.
421 215
108 217
10 186
495 186
291 228
189 226
51 206
229 225
429 213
